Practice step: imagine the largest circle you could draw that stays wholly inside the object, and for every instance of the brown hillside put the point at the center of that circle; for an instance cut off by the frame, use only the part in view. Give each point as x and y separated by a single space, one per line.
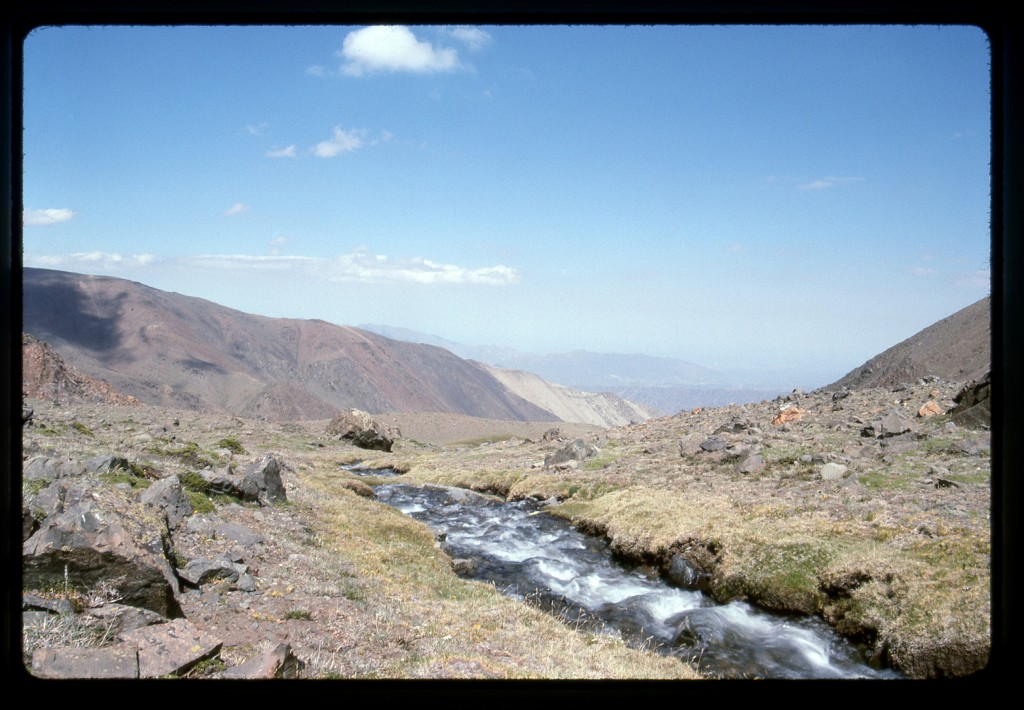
173 350
957 348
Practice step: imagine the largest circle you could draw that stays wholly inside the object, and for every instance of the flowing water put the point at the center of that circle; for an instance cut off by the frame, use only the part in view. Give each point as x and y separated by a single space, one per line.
534 556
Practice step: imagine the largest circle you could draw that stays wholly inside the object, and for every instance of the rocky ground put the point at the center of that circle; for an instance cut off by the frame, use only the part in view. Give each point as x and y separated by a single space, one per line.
869 507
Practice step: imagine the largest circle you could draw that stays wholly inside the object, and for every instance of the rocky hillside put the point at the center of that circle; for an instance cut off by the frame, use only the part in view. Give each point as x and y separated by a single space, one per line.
956 348
46 376
573 405
174 350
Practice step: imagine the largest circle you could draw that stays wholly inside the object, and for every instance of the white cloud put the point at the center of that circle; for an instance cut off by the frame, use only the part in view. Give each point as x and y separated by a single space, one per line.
93 260
825 183
392 49
474 38
42 218
364 266
288 152
259 129
316 70
236 209
361 265
342 142
922 271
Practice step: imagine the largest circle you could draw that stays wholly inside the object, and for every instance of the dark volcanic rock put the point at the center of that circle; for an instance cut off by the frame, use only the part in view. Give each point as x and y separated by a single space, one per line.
974 404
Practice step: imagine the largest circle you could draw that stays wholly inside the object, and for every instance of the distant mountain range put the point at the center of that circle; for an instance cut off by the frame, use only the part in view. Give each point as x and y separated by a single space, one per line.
174 350
662 384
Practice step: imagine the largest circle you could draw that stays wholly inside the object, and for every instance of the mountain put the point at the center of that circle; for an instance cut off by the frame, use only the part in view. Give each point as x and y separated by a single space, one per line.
659 384
174 350
572 405
957 348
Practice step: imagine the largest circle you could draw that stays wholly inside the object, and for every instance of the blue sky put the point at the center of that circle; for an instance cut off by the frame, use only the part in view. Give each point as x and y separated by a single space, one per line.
789 198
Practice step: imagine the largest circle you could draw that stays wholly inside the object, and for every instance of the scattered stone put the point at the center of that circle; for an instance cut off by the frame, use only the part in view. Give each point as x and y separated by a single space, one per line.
122 617
34 602
892 424
171 648
974 404
946 483
168 496
237 533
752 463
120 661
788 414
713 443
362 430
930 408
202 571
551 434
577 451
266 473
690 444
833 471
44 468
278 662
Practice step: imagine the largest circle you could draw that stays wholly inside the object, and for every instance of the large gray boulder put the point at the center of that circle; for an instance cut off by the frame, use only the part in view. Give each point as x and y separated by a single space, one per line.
100 536
362 430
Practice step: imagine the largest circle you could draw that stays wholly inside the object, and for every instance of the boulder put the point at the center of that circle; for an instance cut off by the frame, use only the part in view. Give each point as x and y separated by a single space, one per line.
260 481
788 414
362 430
974 404
713 443
278 662
102 536
892 424
930 408
168 496
266 473
577 450
752 463
832 471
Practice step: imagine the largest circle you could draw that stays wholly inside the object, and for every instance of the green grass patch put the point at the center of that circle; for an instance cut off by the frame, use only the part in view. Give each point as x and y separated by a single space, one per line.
82 428
300 614
189 454
192 481
115 477
231 444
200 502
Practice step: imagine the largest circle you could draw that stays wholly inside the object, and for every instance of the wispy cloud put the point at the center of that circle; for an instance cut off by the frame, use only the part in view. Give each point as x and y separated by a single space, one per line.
360 266
393 49
922 271
236 209
316 70
341 142
43 218
825 183
257 129
474 38
288 152
91 260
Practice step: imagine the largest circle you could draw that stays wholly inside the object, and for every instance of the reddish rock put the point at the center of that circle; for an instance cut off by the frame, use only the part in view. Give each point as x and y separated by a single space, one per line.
789 414
929 409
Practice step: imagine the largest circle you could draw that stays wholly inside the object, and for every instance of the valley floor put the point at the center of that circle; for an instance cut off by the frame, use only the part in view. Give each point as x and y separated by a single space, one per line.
887 538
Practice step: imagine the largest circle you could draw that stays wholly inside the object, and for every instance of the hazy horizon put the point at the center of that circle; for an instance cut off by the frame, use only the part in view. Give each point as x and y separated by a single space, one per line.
745 198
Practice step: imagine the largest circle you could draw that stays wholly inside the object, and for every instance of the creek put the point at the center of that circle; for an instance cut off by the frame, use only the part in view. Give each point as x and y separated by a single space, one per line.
537 557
